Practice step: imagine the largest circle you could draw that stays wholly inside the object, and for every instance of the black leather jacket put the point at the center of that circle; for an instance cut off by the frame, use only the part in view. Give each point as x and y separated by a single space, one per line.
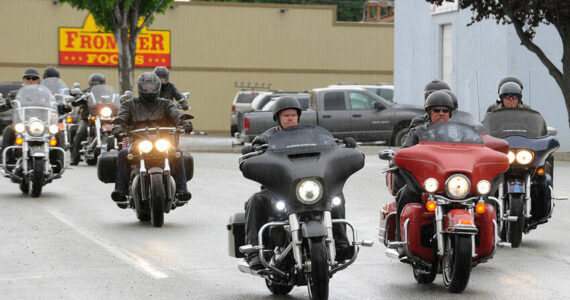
264 137
413 138
169 91
135 114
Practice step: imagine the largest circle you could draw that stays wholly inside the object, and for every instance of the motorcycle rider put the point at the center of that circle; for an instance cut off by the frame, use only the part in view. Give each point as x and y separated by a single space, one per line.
148 110
439 107
81 134
510 95
286 112
167 89
51 71
432 86
503 81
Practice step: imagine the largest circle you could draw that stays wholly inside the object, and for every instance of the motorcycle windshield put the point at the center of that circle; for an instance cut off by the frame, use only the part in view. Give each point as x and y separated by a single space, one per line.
301 136
58 88
34 101
507 122
450 132
104 94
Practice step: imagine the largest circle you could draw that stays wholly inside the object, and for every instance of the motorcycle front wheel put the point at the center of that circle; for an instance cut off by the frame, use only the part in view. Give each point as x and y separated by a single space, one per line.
456 263
515 229
318 277
37 177
156 200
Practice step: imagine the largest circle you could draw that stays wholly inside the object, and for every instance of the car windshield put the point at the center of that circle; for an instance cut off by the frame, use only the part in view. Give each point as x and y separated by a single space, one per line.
104 94
34 101
450 132
515 121
301 136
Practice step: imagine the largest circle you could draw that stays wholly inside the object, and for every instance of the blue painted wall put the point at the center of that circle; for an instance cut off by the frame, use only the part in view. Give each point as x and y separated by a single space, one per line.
483 54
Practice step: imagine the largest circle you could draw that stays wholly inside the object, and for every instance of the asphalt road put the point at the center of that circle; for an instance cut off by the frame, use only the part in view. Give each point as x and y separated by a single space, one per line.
74 243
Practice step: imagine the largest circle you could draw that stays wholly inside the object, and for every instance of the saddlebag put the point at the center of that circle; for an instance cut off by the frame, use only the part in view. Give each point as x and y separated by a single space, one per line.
106 166
485 238
188 165
420 230
236 234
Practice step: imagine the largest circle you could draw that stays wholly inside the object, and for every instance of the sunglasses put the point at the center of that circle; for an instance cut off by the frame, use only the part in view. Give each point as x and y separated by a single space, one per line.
31 78
438 110
510 96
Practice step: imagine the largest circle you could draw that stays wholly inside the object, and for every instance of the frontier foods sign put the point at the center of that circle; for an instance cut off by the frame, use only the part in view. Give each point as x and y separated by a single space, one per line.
92 46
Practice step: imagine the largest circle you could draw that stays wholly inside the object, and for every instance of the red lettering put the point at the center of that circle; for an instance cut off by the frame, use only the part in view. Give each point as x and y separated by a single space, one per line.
110 41
85 41
115 59
98 42
71 35
157 40
103 59
143 42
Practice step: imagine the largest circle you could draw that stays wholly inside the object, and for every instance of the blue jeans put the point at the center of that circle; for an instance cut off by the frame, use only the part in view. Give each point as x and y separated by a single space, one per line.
123 171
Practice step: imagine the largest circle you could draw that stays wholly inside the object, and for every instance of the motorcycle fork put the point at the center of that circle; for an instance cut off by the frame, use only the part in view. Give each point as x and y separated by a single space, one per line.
439 229
142 176
528 200
296 240
169 192
98 131
330 239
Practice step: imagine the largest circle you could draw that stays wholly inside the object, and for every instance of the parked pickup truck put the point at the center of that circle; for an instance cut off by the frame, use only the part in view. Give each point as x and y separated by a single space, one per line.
344 111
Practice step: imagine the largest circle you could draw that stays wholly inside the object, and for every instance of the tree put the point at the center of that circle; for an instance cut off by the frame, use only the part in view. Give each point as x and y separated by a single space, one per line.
122 18
526 15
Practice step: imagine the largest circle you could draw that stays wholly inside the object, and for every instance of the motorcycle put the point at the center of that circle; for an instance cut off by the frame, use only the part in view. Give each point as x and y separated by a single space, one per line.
453 228
65 121
305 170
104 103
152 189
35 124
526 191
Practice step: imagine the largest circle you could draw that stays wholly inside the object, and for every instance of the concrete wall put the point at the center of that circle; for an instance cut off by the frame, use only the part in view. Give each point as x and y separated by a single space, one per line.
483 54
214 45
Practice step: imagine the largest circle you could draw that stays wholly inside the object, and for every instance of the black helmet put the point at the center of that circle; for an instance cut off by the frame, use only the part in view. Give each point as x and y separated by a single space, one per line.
509 79
31 72
453 98
283 103
439 98
96 79
51 71
511 88
435 85
161 72
148 85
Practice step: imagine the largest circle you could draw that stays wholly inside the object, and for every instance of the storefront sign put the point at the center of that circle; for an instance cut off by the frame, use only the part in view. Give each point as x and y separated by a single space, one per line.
92 46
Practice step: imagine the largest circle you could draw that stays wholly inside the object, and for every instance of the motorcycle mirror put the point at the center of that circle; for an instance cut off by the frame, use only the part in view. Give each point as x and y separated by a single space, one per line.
76 85
186 117
552 131
386 154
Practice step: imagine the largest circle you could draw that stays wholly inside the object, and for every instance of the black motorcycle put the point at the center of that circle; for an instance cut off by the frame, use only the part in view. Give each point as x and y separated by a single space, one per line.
304 169
526 191
152 190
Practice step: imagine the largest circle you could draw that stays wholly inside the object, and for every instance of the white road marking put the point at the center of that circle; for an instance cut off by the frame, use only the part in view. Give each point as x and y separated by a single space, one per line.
122 254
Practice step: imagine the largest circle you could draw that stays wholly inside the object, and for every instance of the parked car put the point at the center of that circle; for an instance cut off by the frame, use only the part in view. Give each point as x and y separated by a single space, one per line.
241 103
385 91
5 88
302 97
344 111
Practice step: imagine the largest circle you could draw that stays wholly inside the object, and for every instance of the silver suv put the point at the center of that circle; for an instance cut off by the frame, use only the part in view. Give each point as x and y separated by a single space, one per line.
241 104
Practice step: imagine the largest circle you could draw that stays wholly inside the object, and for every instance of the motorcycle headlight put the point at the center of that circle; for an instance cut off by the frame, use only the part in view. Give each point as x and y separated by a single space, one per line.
162 145
309 191
511 155
36 127
53 129
524 157
106 112
145 146
483 187
20 128
431 185
457 186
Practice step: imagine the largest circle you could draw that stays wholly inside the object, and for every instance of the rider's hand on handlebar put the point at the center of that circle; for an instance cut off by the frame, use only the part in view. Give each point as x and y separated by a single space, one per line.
260 140
183 104
247 149
188 127
349 142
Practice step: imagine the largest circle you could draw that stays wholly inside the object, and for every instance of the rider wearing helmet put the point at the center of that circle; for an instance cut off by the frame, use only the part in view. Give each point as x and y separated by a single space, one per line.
81 135
432 86
286 113
167 89
148 110
510 95
51 71
501 83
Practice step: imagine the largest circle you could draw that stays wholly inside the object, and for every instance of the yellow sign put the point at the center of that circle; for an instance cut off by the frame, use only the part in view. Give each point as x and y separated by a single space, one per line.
92 46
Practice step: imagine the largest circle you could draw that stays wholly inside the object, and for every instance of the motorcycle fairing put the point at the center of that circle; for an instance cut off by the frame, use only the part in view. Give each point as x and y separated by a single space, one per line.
542 147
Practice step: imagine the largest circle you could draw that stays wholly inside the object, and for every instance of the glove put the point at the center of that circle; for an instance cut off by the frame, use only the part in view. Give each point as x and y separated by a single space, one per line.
260 140
63 109
183 104
350 142
188 127
118 131
247 149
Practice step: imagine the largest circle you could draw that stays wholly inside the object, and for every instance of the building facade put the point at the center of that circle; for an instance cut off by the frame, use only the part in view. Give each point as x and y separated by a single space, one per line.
215 49
432 42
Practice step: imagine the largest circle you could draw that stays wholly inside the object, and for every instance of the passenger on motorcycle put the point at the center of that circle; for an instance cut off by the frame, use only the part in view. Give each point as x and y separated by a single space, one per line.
147 110
503 81
286 112
51 71
510 95
439 106
432 86
167 89
81 135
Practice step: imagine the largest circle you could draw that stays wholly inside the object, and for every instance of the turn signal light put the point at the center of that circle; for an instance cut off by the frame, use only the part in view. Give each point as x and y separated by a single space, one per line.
92 118
53 142
540 171
480 207
431 205
465 222
68 119
19 141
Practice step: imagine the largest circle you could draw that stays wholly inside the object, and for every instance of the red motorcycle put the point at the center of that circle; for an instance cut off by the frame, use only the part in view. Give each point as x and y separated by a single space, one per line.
454 227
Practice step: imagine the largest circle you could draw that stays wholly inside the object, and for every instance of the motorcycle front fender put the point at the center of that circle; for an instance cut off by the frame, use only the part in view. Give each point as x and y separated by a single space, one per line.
459 221
313 228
